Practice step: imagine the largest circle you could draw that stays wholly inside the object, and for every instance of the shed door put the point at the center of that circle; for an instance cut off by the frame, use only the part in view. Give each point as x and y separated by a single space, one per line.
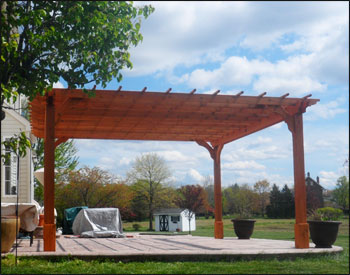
163 223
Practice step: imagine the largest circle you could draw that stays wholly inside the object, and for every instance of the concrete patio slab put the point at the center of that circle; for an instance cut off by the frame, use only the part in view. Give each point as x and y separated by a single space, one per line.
168 248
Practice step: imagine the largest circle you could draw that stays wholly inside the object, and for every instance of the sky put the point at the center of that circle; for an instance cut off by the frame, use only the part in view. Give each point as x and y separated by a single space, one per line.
275 47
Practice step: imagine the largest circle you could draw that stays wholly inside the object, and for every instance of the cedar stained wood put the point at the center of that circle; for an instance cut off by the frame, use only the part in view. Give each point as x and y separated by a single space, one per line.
144 115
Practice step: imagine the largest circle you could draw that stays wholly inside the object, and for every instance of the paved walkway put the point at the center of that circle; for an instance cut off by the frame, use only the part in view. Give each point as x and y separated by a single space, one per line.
161 247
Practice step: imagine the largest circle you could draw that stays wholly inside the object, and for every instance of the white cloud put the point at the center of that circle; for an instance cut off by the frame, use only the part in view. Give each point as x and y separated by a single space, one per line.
125 161
194 174
326 111
277 126
106 163
58 85
257 148
291 75
277 47
328 142
328 179
243 165
175 156
201 32
252 176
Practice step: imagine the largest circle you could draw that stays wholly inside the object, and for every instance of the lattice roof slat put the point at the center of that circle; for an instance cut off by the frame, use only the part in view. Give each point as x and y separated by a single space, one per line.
145 115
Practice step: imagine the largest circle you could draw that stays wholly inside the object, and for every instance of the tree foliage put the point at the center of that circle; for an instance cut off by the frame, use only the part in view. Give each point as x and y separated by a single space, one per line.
65 155
282 203
340 194
240 200
65 161
92 187
163 197
80 42
194 199
149 175
208 184
262 188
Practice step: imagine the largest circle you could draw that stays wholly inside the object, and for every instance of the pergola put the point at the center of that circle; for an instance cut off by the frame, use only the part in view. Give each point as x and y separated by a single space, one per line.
210 120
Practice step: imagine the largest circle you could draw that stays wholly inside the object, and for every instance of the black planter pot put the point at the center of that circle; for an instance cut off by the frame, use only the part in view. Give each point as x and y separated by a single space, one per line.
243 228
323 233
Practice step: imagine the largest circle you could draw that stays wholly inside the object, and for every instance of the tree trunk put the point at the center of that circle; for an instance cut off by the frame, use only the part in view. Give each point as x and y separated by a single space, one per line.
150 227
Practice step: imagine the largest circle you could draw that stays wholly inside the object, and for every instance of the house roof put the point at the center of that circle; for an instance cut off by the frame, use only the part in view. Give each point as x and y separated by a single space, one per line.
311 182
15 115
143 115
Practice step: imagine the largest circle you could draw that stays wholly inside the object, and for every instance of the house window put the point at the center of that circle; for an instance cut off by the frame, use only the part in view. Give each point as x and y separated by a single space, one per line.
10 173
175 219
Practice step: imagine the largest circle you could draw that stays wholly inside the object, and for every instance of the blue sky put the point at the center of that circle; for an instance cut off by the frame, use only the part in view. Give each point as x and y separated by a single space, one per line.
274 47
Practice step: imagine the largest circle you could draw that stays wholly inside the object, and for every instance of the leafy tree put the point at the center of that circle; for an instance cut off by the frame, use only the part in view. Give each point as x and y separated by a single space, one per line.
208 184
240 200
193 198
287 204
340 194
140 203
149 174
281 203
92 187
273 209
65 161
65 155
87 184
229 202
78 41
262 188
245 200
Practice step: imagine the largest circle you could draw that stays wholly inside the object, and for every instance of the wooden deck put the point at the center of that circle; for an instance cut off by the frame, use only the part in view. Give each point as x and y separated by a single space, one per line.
167 248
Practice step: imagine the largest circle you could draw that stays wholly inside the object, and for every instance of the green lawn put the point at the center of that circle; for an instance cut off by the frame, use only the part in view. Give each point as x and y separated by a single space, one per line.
264 228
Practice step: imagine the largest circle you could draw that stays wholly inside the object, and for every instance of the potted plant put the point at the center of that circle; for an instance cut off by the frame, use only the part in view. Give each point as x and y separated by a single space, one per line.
243 225
324 226
8 232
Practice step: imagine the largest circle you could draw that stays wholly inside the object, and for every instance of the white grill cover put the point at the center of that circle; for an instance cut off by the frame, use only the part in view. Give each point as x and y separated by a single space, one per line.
28 213
98 223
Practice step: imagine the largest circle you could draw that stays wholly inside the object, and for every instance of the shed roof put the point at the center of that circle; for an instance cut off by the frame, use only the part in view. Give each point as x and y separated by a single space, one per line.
143 115
168 211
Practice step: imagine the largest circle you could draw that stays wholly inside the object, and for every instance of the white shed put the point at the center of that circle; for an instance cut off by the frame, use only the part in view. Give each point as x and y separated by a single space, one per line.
174 219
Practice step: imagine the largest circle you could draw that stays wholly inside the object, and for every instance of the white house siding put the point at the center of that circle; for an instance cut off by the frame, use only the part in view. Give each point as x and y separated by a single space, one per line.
13 124
185 224
156 223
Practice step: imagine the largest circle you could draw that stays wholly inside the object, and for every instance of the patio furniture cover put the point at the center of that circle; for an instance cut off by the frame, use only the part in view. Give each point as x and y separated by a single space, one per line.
28 213
69 217
98 223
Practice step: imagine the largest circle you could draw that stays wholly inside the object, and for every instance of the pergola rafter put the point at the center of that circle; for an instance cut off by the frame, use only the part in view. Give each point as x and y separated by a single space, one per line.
211 120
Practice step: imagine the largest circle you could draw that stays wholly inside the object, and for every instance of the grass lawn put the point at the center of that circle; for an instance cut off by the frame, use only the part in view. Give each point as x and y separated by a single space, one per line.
281 229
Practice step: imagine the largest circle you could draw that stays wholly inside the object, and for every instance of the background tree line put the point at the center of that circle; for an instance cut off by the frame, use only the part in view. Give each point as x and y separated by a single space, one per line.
148 186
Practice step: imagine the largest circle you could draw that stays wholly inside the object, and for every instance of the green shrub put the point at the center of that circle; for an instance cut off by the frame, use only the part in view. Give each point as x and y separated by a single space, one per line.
326 214
330 213
136 226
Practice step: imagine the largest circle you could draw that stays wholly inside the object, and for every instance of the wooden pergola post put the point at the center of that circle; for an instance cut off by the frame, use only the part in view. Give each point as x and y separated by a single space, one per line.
301 227
215 153
49 177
